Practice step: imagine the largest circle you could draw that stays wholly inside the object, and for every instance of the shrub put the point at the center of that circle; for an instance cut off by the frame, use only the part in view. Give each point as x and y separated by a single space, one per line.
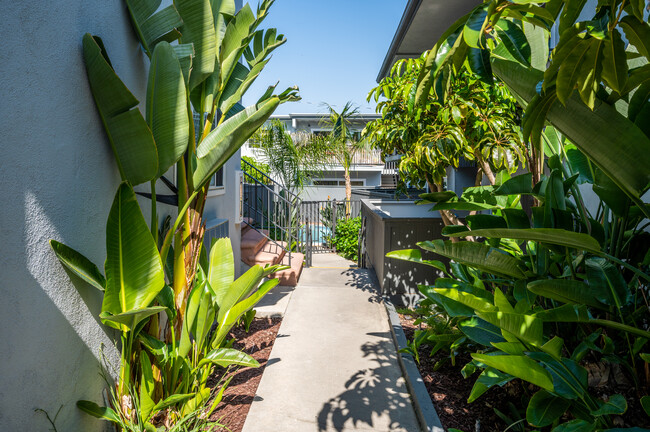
346 239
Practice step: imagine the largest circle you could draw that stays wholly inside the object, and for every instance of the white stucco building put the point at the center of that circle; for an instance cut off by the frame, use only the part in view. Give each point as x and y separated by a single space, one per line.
58 180
366 171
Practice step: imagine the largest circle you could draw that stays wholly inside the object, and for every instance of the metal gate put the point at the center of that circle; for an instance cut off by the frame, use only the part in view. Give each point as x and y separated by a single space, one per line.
318 220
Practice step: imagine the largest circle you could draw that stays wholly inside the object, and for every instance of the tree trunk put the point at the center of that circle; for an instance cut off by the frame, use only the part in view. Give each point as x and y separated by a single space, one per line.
485 167
348 193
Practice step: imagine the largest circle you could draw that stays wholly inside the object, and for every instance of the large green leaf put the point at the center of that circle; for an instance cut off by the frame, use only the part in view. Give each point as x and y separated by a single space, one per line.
221 273
518 366
238 290
616 405
544 408
95 410
606 281
544 235
131 318
476 303
415 255
525 327
153 25
79 264
569 378
615 68
477 255
222 142
235 312
198 29
514 39
568 291
225 357
473 30
134 271
488 379
638 33
167 107
481 331
610 140
130 137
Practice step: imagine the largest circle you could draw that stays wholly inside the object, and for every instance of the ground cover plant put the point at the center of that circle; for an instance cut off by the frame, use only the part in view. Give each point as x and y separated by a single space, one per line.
170 301
551 296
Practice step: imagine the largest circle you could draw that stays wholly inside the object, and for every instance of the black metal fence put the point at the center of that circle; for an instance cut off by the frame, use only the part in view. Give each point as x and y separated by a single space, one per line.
318 220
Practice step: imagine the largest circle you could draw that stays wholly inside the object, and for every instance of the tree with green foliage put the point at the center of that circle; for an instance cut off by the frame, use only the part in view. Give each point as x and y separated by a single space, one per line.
477 121
549 294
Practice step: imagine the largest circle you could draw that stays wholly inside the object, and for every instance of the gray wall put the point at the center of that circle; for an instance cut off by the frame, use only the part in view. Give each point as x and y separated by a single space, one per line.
222 206
58 182
399 279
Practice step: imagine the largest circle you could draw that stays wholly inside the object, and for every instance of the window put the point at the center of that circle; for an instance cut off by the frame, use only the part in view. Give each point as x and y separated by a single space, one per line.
217 179
334 182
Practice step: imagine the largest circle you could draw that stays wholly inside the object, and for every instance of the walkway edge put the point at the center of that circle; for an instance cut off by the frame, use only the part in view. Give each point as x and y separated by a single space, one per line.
424 409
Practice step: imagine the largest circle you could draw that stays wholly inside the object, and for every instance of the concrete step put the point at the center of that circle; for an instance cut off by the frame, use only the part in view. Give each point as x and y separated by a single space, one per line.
270 253
252 241
247 224
289 277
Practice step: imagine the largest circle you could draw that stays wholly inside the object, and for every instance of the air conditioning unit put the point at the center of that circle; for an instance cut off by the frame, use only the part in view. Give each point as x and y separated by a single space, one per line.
239 208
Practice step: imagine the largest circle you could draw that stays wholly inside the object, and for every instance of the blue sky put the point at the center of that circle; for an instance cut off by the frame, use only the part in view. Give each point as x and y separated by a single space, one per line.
333 52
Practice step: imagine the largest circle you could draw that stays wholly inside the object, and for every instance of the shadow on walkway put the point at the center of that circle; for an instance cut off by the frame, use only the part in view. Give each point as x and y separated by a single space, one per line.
366 281
371 393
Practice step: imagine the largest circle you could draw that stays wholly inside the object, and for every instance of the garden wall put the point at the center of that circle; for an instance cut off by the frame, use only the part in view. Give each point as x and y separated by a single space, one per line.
395 225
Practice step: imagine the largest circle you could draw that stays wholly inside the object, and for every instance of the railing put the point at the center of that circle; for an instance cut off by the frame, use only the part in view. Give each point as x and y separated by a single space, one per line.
318 221
270 209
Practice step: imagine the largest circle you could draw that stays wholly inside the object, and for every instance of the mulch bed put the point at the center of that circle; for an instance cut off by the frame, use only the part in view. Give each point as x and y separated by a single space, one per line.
449 391
239 395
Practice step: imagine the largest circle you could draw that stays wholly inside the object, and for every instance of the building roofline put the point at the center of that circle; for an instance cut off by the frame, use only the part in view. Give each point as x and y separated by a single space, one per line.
321 115
407 18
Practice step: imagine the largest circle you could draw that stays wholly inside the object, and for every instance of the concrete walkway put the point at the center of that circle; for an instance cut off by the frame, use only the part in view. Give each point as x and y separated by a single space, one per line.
333 366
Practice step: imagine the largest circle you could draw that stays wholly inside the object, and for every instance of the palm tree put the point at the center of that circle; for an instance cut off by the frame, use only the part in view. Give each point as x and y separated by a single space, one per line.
342 144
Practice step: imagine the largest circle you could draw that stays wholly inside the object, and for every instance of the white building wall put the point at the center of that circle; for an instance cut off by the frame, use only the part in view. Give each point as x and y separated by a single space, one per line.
58 182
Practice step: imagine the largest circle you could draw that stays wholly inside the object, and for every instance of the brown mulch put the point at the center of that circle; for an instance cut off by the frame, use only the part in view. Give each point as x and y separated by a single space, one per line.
239 395
449 391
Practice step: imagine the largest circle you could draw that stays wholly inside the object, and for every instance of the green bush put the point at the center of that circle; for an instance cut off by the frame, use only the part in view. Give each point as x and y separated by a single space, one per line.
346 239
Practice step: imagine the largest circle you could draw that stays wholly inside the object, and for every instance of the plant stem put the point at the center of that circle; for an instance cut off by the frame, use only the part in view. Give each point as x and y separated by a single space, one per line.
154 216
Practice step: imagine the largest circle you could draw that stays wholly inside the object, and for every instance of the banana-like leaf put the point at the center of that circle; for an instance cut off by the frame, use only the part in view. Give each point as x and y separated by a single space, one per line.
172 400
238 290
610 140
477 255
239 33
191 311
131 318
569 378
579 313
525 327
130 137
151 26
79 265
544 408
521 184
225 357
481 331
225 140
103 413
543 235
616 405
521 367
415 255
134 271
221 273
196 402
476 303
167 107
147 388
568 291
488 379
235 312
198 29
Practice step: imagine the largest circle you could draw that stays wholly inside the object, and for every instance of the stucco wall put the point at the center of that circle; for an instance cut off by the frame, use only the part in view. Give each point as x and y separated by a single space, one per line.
222 206
58 181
